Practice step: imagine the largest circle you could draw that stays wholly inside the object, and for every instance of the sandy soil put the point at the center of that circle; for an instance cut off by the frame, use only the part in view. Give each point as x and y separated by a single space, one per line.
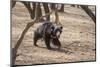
77 39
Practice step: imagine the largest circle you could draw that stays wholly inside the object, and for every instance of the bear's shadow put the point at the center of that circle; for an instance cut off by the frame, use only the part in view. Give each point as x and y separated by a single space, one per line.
58 50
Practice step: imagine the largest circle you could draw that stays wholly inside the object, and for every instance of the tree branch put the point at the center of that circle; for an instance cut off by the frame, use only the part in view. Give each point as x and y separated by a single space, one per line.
89 12
36 20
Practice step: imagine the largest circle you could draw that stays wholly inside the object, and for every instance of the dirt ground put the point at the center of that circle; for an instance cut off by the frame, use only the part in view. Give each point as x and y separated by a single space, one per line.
77 38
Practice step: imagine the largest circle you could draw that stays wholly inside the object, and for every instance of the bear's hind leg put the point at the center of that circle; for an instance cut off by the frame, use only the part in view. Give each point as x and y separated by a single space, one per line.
35 39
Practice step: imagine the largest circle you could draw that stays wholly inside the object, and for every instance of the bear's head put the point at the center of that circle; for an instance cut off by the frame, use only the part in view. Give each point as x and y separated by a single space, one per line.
56 31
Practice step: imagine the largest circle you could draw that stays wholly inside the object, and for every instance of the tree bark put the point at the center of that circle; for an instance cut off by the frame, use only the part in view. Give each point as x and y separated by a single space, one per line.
39 11
46 9
89 12
13 4
62 8
52 5
56 16
72 5
27 5
31 10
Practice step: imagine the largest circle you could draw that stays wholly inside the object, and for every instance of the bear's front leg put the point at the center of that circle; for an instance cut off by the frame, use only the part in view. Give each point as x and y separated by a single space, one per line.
47 42
56 42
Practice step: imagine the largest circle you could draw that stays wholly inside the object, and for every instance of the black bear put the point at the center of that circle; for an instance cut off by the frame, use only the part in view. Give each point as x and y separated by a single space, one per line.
50 32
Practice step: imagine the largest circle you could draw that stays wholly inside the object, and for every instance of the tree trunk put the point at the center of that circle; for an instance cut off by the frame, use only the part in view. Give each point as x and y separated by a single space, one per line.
30 9
33 11
39 11
62 8
52 5
56 16
89 12
13 4
72 5
27 5
46 9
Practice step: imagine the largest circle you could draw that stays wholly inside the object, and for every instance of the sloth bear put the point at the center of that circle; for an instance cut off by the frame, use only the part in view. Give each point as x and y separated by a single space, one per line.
49 32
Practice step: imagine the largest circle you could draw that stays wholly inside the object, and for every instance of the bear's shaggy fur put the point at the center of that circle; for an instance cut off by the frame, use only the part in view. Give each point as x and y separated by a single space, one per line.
50 32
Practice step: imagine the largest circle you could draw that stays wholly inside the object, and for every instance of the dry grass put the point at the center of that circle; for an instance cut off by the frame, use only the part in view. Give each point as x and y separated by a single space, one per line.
77 39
